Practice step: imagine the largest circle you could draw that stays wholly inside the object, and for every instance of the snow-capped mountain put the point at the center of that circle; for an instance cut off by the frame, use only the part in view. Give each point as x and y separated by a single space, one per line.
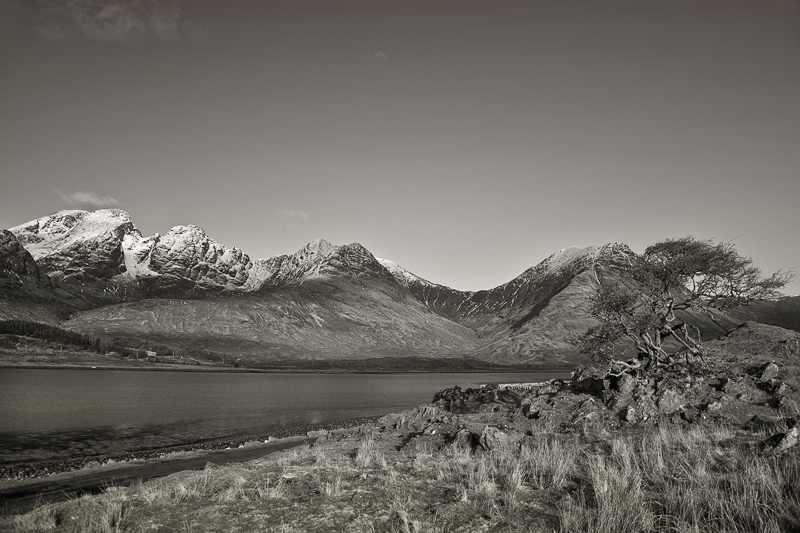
94 272
104 252
321 259
77 245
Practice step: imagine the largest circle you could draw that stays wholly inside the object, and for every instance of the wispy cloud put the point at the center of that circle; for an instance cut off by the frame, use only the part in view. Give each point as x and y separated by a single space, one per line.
296 215
292 219
111 20
379 55
87 199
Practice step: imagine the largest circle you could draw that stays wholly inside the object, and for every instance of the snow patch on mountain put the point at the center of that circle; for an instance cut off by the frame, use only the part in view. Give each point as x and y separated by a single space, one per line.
403 276
51 234
575 257
136 251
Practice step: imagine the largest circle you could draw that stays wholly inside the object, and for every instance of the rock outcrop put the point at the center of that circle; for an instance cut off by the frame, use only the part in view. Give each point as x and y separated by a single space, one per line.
592 403
17 266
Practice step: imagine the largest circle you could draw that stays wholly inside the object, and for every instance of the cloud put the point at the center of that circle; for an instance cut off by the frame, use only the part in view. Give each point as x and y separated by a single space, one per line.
379 55
292 220
295 215
121 21
87 199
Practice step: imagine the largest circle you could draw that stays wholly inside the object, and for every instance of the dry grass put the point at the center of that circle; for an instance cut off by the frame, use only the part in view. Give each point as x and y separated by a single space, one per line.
692 480
668 480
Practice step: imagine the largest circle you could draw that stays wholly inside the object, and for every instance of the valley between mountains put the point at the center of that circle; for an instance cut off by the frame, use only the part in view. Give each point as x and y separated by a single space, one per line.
95 273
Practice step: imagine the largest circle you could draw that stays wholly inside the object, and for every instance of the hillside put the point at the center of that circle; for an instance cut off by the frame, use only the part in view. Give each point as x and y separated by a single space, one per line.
94 272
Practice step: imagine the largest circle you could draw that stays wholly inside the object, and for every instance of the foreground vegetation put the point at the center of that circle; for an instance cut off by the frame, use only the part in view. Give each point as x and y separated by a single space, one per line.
676 479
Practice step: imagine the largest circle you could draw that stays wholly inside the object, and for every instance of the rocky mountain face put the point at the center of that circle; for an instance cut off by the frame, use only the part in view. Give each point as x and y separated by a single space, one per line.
94 272
102 253
542 312
17 266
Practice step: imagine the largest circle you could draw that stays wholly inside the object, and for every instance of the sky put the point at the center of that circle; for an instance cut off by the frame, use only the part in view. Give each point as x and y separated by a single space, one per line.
466 140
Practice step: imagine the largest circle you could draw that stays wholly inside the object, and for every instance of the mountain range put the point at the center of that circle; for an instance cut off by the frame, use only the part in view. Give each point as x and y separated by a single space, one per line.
95 273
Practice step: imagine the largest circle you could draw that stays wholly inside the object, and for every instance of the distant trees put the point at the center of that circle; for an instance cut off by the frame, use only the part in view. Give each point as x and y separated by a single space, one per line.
672 276
124 346
45 331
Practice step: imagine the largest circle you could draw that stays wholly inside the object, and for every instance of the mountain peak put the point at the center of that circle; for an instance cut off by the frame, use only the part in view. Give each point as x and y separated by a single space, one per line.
187 231
70 227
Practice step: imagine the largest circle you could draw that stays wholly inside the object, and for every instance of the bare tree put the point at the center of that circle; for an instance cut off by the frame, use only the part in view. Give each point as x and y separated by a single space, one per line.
672 276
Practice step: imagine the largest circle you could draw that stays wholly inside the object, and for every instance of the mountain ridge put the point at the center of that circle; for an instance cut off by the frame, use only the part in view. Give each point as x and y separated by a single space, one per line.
94 272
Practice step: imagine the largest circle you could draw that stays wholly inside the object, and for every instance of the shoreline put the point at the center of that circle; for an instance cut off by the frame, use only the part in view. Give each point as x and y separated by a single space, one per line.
44 469
22 495
231 370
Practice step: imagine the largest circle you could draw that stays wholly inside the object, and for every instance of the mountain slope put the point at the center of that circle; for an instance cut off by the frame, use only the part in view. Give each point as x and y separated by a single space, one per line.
325 302
94 272
542 313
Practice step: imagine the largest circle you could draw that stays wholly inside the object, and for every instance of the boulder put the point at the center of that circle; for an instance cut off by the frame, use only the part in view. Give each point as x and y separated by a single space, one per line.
670 401
626 383
770 372
628 414
492 437
464 438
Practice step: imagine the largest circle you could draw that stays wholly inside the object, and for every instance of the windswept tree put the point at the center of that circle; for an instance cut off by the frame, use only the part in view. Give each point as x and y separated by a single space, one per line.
675 275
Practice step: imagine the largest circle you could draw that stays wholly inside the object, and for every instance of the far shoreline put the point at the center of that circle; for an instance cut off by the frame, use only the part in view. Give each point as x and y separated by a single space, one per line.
167 367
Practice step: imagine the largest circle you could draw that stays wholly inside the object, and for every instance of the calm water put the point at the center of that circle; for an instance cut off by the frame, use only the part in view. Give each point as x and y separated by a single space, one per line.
53 414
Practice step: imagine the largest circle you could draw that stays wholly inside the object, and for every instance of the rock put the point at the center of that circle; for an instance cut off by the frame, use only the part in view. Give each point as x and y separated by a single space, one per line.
670 401
690 414
464 438
788 406
17 266
626 383
731 387
784 441
628 414
770 372
778 387
533 409
589 381
492 437
551 389
488 398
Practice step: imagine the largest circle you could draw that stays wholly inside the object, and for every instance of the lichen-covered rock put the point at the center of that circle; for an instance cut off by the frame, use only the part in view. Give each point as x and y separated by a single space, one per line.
626 383
492 438
670 401
770 372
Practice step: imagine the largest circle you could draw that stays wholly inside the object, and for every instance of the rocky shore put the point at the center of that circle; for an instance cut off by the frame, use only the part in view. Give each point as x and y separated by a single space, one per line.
46 468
